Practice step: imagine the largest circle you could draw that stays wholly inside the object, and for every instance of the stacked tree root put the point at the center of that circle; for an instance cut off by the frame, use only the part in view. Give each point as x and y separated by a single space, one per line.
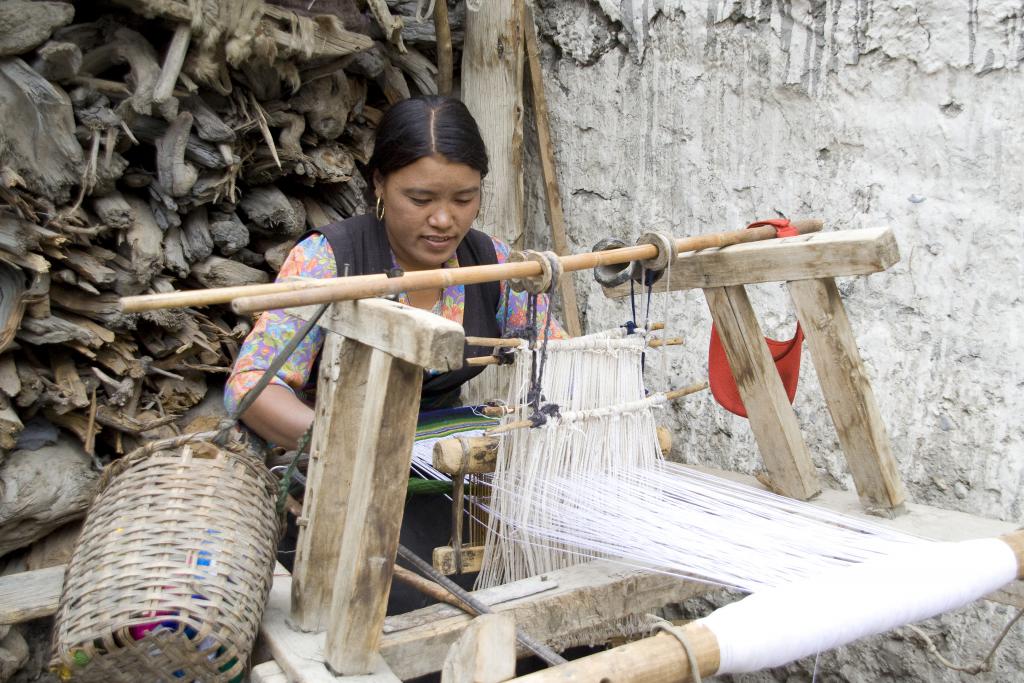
151 145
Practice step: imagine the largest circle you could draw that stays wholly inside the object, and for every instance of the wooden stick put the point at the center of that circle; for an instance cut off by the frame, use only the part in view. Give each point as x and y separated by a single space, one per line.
671 341
481 452
429 588
173 62
686 391
658 658
670 395
223 295
515 342
446 277
494 360
500 342
443 35
567 287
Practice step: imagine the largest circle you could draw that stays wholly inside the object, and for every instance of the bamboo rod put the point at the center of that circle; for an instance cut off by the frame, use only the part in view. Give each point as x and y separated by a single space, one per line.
351 289
224 295
515 342
671 341
494 360
658 658
502 342
670 395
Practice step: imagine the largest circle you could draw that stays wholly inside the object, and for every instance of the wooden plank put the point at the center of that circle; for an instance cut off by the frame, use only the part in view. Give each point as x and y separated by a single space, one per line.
588 596
492 88
567 284
299 655
495 595
484 653
376 498
848 393
411 334
444 559
30 595
771 416
806 257
343 383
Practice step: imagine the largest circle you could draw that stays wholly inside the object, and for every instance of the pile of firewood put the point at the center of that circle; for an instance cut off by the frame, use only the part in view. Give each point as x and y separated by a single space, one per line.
147 149
153 145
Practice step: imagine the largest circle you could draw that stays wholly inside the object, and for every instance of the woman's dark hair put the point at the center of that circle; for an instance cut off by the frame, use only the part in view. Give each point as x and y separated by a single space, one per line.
421 127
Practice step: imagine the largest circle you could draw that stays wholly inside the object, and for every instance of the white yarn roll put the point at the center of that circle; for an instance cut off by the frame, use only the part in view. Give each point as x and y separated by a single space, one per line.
779 625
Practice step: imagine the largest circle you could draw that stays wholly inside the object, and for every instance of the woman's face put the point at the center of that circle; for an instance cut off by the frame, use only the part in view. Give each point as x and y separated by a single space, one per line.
429 206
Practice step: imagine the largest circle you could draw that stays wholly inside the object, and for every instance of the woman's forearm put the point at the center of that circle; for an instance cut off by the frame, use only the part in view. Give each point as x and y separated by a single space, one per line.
278 416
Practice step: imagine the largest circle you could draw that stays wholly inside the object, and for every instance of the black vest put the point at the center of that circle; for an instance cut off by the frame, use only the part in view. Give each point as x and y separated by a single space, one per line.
362 244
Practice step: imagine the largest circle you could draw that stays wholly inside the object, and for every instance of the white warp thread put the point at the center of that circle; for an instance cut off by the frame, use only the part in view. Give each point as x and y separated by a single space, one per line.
773 627
600 372
676 520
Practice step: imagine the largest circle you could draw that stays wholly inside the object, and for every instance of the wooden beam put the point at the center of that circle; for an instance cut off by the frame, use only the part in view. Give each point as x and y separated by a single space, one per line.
660 658
566 285
407 333
342 387
588 596
848 394
806 257
492 88
771 416
383 452
484 653
30 595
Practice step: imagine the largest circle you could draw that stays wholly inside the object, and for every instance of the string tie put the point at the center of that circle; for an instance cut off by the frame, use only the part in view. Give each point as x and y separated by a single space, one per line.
679 634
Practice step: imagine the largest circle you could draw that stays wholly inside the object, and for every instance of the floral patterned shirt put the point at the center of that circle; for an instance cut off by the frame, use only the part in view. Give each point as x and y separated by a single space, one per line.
314 258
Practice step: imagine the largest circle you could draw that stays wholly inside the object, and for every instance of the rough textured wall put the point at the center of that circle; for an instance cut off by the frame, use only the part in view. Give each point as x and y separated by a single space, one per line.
695 117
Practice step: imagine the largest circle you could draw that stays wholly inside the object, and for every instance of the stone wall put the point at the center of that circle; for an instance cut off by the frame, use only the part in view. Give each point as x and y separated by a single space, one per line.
696 117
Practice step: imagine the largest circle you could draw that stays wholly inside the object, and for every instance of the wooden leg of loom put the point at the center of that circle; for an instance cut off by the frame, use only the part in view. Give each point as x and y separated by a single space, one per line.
342 391
847 390
771 416
362 447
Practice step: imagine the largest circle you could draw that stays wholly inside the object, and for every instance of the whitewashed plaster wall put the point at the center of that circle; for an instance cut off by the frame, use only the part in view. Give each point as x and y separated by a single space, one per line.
702 116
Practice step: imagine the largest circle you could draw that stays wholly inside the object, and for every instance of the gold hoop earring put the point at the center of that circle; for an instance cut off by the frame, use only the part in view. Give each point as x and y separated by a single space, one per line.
380 209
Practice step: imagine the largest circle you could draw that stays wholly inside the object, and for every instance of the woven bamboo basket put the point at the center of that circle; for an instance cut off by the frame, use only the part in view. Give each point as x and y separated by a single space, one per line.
170 576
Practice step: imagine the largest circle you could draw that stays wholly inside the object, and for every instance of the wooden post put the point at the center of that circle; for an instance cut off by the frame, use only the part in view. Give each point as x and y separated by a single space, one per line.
492 88
847 391
366 415
567 286
341 392
369 542
771 416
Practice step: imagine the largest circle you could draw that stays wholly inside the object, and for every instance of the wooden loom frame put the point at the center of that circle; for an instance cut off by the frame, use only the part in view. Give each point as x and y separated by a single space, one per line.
370 376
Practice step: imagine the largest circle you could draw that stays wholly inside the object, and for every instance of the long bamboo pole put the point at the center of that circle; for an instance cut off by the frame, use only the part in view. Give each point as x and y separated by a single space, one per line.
224 295
471 275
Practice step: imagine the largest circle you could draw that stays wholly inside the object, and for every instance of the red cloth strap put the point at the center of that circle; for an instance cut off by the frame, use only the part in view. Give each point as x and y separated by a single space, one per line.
786 355
782 227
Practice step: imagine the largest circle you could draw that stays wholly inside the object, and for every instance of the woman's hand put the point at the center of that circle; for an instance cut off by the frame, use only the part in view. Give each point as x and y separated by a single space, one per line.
279 416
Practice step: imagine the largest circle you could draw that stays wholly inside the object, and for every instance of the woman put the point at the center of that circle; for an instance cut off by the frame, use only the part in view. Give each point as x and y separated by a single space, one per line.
427 168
